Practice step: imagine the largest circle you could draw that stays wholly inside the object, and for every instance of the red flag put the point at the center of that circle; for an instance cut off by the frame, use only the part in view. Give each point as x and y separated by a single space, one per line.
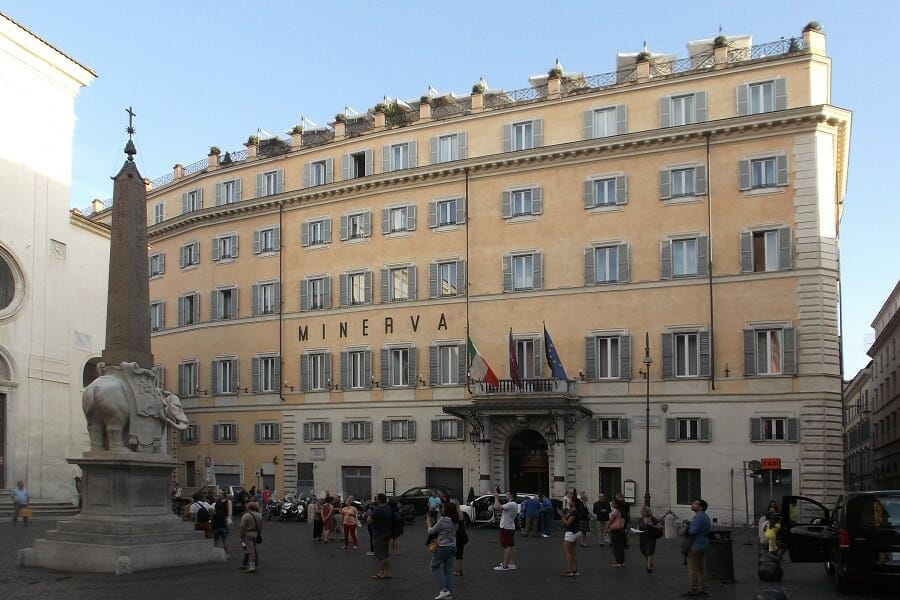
514 372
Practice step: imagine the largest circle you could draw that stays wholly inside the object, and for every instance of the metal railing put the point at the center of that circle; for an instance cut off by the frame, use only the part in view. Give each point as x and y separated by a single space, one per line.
768 49
161 181
196 167
529 386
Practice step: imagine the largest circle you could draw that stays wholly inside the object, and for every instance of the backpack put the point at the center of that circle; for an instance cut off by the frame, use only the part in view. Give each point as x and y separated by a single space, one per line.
396 524
203 515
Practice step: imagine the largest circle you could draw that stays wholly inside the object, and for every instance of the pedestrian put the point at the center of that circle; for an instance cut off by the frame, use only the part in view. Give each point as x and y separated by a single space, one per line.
601 511
336 516
444 529
396 527
317 520
616 529
546 516
78 490
434 507
584 521
571 522
327 519
625 508
20 500
771 529
462 538
266 496
200 510
251 532
532 516
380 519
696 558
349 520
509 510
220 518
649 529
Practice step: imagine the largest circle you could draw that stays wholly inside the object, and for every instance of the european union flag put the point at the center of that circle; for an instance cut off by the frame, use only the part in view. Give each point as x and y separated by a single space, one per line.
556 367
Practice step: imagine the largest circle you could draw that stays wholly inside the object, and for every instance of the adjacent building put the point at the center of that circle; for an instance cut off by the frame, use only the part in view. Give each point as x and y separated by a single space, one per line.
858 432
885 395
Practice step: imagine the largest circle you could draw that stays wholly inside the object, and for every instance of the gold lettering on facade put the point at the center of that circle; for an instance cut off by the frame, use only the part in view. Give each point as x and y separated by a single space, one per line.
442 323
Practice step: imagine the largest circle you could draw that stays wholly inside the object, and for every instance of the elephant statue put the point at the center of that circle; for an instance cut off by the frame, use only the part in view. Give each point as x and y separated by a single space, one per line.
125 411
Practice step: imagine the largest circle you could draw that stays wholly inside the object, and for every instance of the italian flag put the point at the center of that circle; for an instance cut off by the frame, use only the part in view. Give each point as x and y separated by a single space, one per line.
478 367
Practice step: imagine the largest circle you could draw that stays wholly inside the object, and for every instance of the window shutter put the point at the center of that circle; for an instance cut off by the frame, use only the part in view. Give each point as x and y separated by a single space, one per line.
507 138
462 365
435 430
181 311
665 118
345 167
703 368
781 169
793 429
254 375
538 271
668 362
162 263
702 255
370 163
304 235
218 199
345 431
621 189
462 142
367 224
665 259
215 249
743 99
345 290
196 307
344 227
460 430
506 204
329 170
624 270
367 278
460 211
432 214
183 390
234 375
327 361
256 242
367 371
386 431
385 221
327 433
537 201
385 286
345 370
216 432
784 248
665 184
327 230
537 133
590 358
213 380
536 360
749 352
590 271
304 375
411 282
307 175
433 291
587 127
255 300
235 296
413 367
195 253
411 427
699 107
259 185
780 93
386 159
433 150
413 154
755 429
214 305
184 203
746 252
385 368
588 196
744 175
625 357
625 429
237 190
671 430
705 429
276 288
279 181
699 181
593 430
621 119
434 359
507 274
789 365
234 243
257 432
411 217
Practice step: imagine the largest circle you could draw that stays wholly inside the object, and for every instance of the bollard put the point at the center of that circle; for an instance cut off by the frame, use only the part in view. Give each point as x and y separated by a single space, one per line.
769 568
671 531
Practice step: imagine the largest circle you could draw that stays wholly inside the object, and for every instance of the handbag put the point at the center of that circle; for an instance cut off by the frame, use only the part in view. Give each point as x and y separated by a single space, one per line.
618 524
25 512
433 546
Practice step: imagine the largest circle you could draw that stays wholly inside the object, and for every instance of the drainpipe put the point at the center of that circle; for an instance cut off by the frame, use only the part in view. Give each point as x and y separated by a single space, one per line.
281 298
709 270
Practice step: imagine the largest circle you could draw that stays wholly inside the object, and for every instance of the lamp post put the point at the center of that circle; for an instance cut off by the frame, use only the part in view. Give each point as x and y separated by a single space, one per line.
647 362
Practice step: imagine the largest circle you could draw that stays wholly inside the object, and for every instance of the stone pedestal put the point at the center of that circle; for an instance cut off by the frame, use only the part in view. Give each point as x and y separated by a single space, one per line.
126 523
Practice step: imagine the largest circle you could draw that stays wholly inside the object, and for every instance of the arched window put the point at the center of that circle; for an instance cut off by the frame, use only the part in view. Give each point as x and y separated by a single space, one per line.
90 373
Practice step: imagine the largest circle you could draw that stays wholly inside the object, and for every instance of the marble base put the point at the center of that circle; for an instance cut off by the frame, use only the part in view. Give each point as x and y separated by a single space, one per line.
126 523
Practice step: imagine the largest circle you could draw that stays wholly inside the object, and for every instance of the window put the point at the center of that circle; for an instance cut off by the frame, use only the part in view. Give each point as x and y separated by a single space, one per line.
224 376
685 354
688 429
356 369
774 429
764 172
157 315
315 372
157 264
267 239
398 284
519 203
224 304
528 356
267 433
604 122
447 148
315 293
225 433
398 430
398 156
683 109
766 250
190 435
522 272
444 213
190 254
356 431
762 96
398 367
606 191
447 364
225 247
159 213
266 374
317 431
770 351
686 257
398 218
447 279
357 164
609 429
228 192
523 135
319 172
687 482
356 226
443 430
682 182
606 264
269 183
192 200
608 357
266 298
316 233
356 288
187 379
189 309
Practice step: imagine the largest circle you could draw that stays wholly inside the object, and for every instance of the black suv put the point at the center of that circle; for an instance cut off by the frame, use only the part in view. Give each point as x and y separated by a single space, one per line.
415 500
858 541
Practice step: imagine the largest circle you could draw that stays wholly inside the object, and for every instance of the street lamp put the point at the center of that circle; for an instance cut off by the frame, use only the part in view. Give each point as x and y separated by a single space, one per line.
646 373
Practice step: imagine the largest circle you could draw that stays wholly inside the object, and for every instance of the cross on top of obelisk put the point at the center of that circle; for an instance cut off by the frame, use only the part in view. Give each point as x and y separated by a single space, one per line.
130 150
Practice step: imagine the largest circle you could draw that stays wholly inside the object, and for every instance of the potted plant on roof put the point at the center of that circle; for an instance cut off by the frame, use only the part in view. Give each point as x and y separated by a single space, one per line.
643 56
720 41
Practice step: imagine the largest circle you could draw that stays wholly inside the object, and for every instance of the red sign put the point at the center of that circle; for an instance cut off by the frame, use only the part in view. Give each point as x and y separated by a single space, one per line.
770 464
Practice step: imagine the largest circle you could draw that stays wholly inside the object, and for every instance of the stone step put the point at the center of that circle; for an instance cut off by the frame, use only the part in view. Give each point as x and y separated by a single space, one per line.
43 509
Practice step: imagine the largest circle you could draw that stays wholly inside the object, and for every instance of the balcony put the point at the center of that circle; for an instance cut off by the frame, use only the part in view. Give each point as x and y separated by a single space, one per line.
530 387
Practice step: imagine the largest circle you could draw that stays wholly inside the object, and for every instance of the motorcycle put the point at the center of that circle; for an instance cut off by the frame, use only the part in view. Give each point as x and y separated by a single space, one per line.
271 509
291 509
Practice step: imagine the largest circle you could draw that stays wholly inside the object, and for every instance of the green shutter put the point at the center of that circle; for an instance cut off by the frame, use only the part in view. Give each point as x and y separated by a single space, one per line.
625 357
780 93
590 270
587 128
665 118
746 252
590 358
743 99
790 351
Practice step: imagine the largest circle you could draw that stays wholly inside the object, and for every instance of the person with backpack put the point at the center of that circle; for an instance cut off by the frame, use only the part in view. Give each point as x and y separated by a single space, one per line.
202 519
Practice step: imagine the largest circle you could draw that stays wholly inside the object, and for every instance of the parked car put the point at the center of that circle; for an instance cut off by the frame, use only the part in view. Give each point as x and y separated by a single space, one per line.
858 541
236 493
481 511
417 498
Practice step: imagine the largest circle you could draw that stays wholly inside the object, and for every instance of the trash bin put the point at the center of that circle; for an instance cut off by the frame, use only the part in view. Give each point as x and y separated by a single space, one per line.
720 557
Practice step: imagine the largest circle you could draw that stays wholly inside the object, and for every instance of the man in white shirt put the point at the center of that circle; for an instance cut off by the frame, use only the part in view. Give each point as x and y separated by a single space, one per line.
509 509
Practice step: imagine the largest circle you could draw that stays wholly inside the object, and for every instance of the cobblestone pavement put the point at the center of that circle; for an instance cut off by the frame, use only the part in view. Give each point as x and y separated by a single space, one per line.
292 566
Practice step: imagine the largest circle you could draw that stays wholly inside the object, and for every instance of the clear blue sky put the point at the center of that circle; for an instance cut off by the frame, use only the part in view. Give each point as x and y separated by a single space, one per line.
201 74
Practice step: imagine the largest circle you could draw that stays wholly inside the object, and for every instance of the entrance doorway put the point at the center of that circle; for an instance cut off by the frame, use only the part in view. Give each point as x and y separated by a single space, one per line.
2 440
529 464
772 485
452 478
610 481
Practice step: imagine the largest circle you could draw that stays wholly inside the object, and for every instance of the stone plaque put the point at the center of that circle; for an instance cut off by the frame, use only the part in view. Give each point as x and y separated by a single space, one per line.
317 454
640 421
611 455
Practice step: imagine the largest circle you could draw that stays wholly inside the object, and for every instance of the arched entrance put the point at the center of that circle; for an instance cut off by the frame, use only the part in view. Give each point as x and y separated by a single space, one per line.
529 463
